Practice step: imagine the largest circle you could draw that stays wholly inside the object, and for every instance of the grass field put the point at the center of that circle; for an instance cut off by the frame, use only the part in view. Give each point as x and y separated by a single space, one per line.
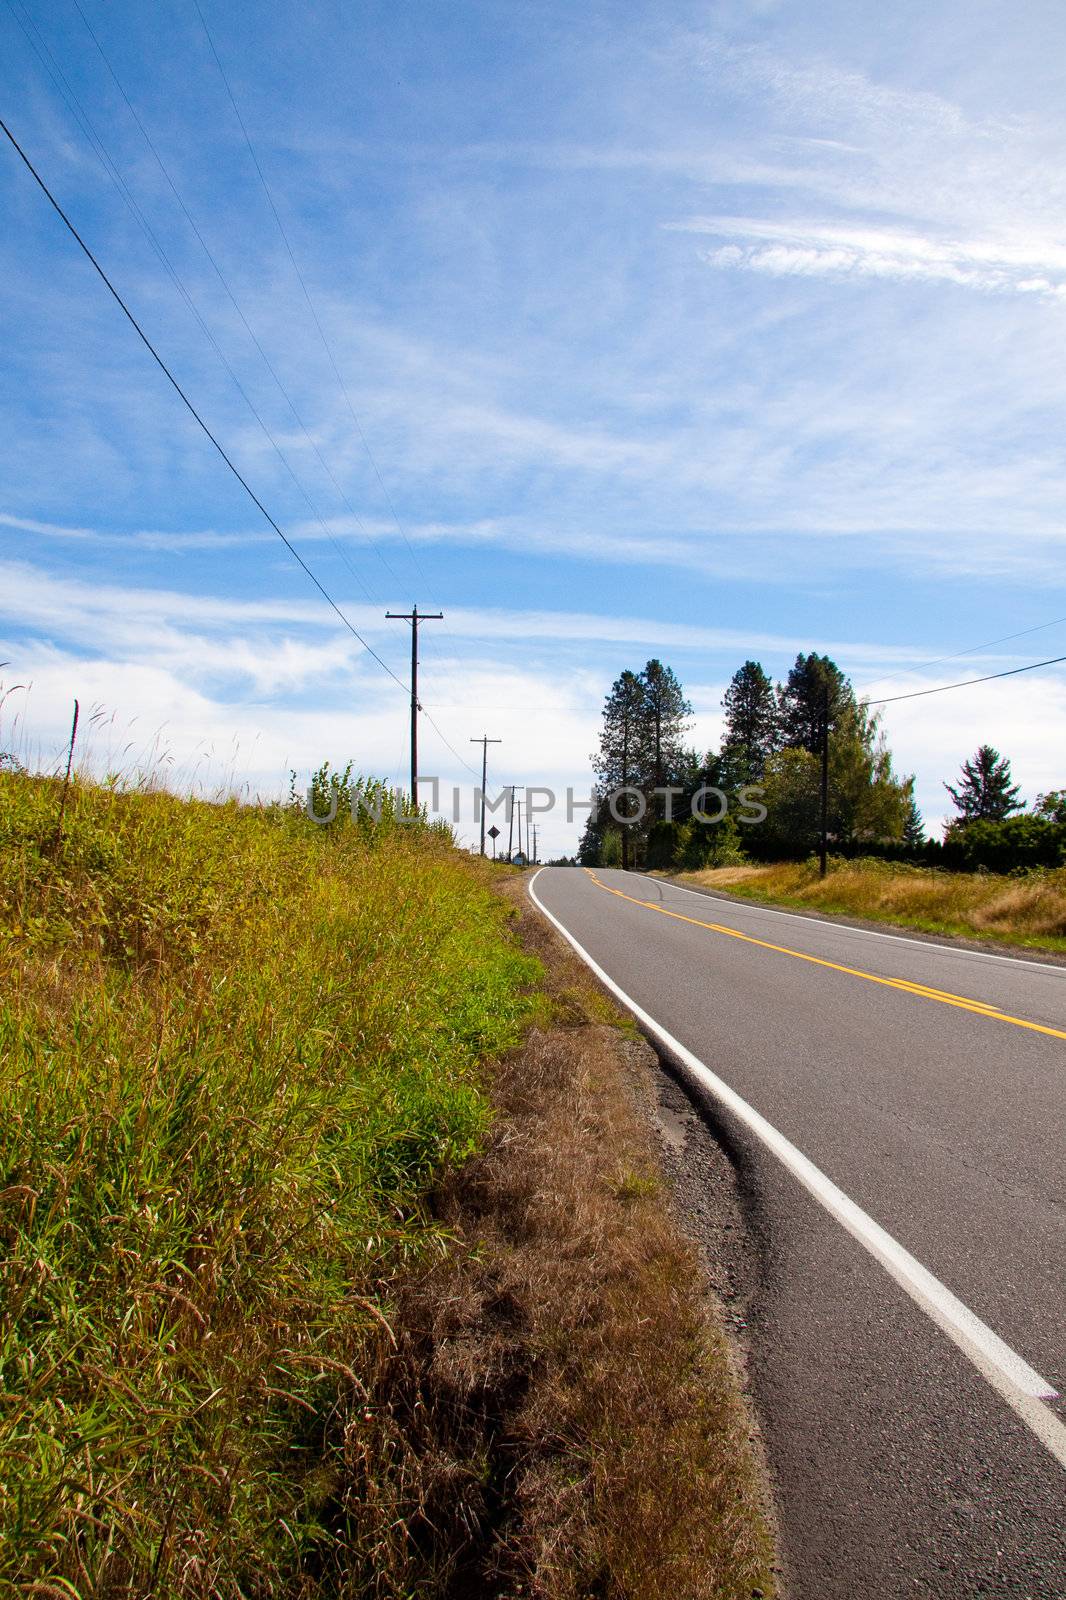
236 1049
1026 910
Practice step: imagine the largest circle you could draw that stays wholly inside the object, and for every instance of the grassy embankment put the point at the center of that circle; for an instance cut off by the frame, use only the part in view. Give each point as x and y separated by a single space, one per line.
1025 910
242 1349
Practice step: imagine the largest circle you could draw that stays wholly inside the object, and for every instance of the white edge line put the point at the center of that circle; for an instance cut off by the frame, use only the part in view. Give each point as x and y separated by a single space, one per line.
1014 1379
823 921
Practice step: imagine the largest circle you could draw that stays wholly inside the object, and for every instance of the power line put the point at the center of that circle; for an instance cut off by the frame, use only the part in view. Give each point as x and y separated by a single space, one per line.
917 694
239 310
972 650
365 442
446 741
180 392
81 117
307 293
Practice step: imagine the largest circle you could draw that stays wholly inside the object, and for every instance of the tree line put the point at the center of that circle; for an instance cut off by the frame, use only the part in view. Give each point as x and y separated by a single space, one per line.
649 778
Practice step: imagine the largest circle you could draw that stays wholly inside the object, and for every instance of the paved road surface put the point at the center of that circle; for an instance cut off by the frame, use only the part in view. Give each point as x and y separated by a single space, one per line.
916 1453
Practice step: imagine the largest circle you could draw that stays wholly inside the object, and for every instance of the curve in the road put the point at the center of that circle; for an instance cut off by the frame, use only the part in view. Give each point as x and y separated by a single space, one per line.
922 990
1014 1379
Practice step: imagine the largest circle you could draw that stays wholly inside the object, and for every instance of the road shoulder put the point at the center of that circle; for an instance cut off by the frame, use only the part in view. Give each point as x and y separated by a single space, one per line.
634 1464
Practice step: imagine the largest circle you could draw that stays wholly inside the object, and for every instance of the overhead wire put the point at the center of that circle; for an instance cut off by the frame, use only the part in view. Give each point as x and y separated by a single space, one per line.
190 219
342 386
111 170
918 694
306 291
972 650
445 740
190 407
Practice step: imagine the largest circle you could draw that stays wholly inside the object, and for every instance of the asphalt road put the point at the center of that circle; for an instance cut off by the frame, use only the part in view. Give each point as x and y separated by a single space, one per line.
914 1453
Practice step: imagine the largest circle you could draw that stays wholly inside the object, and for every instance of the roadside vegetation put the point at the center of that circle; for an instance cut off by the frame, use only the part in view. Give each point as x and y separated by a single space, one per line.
1027 908
236 1050
316 1279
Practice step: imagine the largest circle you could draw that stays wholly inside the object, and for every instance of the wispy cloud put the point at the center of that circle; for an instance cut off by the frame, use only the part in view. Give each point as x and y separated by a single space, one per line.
142 538
809 249
980 198
281 643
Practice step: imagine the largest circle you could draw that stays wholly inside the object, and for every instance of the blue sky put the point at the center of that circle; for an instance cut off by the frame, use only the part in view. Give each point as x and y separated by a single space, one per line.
697 331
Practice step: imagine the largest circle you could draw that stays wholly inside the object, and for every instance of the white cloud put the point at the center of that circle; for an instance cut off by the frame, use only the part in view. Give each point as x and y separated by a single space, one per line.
285 642
803 249
144 539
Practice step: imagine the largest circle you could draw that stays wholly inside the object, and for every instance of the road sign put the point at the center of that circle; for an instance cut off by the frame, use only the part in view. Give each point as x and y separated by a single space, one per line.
494 833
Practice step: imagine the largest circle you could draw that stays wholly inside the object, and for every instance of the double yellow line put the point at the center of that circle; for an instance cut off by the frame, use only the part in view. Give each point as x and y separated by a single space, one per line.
924 991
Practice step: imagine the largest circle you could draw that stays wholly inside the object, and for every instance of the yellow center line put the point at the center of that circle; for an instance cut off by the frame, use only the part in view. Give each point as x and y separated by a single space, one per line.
923 991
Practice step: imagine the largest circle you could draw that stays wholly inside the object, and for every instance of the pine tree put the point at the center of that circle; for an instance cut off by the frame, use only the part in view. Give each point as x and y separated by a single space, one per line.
913 827
985 790
624 755
590 848
666 712
801 702
750 736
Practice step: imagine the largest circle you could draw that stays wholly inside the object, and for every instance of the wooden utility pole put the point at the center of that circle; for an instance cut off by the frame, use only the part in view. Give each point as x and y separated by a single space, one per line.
510 825
484 742
414 617
823 850
536 830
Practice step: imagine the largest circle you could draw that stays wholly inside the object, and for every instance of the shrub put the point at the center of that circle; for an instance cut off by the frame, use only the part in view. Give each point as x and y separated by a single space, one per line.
1004 846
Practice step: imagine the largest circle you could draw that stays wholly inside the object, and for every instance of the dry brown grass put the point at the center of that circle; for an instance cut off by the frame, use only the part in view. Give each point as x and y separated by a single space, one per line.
1028 910
565 1413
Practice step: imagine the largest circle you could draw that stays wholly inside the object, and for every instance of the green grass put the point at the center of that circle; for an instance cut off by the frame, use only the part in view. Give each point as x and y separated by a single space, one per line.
1027 909
237 1050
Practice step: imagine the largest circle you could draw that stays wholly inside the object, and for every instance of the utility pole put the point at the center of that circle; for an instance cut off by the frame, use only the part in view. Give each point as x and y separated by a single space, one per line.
484 742
823 851
414 617
518 803
510 825
536 830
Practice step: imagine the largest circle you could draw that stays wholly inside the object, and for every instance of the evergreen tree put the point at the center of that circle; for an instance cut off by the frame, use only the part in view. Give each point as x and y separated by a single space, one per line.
624 756
590 849
666 712
913 827
985 791
801 702
750 724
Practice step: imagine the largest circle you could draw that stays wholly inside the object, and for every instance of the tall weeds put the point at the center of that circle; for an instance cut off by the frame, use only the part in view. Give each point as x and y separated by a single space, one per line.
236 1050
